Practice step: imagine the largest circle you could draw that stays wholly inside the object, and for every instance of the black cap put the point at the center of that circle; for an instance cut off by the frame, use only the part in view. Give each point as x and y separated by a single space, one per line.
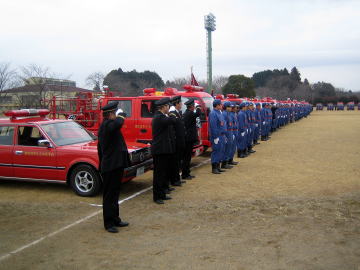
175 99
111 106
190 102
163 101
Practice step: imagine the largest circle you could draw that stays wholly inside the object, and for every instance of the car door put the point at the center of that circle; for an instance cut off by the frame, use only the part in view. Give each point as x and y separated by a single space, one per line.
6 150
33 161
146 112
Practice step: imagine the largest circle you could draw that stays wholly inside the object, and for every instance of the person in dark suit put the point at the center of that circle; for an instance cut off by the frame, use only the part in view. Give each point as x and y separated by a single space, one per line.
162 149
179 130
113 158
191 136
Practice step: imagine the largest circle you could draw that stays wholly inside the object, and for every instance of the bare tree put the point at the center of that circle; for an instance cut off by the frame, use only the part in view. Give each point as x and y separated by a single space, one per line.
36 75
7 77
218 83
95 80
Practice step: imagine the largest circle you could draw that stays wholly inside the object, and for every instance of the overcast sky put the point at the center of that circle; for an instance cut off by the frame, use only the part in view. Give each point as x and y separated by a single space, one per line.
78 37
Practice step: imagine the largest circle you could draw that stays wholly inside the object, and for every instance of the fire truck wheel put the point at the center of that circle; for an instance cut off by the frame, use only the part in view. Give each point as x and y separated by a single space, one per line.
85 181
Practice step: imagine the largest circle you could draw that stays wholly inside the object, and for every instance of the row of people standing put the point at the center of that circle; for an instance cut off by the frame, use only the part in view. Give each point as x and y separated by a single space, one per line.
238 127
173 137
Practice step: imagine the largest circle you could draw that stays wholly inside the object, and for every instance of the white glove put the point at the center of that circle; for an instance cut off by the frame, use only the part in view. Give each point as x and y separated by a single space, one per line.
247 130
256 125
233 137
118 112
243 133
263 123
216 141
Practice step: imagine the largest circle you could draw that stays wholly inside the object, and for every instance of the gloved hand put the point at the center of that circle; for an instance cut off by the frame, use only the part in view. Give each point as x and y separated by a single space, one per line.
264 123
256 125
216 141
243 134
120 112
233 137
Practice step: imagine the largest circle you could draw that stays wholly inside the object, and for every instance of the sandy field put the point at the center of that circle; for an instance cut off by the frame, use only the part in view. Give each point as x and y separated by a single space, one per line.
294 204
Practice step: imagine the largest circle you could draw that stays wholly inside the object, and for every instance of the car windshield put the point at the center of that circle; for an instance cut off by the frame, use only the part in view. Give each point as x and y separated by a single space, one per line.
67 133
208 102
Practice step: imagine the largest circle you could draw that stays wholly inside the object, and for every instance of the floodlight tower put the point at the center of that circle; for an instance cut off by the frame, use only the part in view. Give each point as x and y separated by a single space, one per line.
209 26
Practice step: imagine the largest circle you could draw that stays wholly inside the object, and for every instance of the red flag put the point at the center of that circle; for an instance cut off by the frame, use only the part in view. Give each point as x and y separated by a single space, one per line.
193 80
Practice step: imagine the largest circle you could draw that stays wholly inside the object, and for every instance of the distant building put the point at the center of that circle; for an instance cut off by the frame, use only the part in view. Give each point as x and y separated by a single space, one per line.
35 91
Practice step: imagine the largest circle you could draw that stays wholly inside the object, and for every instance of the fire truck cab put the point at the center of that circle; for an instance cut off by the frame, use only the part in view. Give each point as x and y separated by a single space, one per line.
140 111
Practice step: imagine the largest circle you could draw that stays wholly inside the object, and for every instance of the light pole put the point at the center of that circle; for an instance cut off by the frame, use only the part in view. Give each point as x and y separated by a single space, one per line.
210 26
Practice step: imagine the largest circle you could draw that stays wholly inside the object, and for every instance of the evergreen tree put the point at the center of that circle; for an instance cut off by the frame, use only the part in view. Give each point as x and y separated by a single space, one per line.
241 85
295 75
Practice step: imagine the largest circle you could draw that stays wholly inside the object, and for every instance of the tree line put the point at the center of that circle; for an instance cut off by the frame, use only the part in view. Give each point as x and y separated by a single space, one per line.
277 83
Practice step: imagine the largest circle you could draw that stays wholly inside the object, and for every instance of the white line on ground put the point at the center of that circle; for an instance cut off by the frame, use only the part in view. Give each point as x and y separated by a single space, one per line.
7 255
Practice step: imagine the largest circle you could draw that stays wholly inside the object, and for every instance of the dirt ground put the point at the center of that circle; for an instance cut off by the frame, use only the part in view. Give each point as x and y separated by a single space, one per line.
294 204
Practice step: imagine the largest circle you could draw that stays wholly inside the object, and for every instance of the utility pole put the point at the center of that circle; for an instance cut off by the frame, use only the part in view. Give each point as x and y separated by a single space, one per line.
210 26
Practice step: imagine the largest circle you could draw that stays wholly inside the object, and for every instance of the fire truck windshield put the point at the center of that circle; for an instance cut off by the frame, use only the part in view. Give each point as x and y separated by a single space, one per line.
207 100
67 133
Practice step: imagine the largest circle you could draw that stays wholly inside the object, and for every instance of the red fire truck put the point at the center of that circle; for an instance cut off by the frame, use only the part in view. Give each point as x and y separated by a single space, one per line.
139 111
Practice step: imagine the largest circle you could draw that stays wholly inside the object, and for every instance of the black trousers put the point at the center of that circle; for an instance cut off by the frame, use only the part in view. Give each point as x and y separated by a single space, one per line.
112 186
176 165
187 159
162 163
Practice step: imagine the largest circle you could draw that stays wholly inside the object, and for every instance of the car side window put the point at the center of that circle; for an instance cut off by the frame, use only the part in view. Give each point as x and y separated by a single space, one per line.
125 105
6 135
147 108
29 136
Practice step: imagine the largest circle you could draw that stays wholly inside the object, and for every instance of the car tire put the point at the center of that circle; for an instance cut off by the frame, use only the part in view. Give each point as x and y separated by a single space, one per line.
85 181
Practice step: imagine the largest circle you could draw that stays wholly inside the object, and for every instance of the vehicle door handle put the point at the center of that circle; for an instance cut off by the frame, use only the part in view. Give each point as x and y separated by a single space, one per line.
19 152
143 130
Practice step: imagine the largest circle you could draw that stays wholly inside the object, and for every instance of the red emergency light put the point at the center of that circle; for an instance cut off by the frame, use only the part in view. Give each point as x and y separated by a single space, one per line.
232 96
219 96
170 91
149 91
193 88
27 112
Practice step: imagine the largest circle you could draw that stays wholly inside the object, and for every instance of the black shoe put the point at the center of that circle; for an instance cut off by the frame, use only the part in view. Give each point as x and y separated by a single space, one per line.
188 177
256 142
250 150
232 162
167 198
225 165
112 230
176 184
214 169
218 168
239 153
122 224
167 191
182 181
171 188
159 201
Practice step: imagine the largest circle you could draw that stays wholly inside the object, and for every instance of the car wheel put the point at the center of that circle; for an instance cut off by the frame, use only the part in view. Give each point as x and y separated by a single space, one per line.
85 181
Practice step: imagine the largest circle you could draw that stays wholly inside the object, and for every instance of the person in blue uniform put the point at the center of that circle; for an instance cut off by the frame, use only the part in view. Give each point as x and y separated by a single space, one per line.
217 130
251 119
162 148
227 114
235 133
257 112
242 131
113 158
